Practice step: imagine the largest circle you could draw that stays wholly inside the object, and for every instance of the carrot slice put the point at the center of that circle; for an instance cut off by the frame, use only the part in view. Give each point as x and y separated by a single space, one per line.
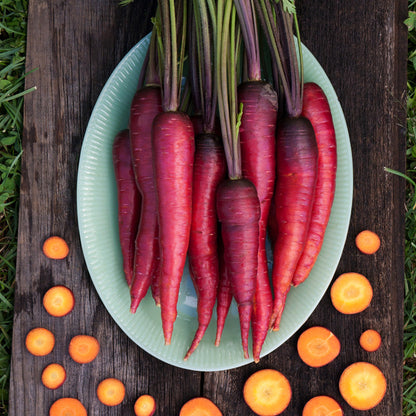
267 392
67 406
55 247
53 376
145 405
362 385
351 293
200 406
370 340
368 242
322 406
111 391
40 341
83 348
58 301
318 346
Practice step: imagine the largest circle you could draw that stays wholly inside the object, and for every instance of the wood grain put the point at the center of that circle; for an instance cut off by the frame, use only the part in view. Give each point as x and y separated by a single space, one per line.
74 47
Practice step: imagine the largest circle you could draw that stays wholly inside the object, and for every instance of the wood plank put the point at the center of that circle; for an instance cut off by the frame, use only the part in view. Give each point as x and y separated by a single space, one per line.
75 46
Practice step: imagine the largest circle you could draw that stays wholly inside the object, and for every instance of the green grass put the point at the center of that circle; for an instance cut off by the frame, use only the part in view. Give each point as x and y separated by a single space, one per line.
409 372
12 69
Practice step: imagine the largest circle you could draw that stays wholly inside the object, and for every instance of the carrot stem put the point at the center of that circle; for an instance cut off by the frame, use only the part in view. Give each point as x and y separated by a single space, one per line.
246 13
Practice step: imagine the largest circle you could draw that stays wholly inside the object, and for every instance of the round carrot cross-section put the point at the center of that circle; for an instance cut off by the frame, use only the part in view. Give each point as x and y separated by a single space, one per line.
267 392
53 376
370 340
111 391
368 242
55 247
322 406
145 405
58 301
83 348
351 293
67 406
362 385
200 406
318 346
40 341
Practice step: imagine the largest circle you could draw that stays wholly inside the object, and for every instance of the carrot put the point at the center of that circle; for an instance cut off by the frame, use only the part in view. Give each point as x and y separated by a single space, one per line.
40 341
239 212
128 201
362 385
58 301
173 152
83 348
145 106
53 376
55 247
351 293
257 140
267 392
145 405
111 391
224 295
368 242
370 340
173 136
297 158
316 109
67 406
318 346
296 154
200 406
209 171
322 406
238 205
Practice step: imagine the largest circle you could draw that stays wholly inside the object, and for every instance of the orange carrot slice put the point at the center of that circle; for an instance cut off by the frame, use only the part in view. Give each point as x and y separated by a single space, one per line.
200 406
53 376
367 242
267 392
55 248
318 346
40 341
362 385
67 406
83 348
145 405
351 293
322 406
111 391
370 340
58 301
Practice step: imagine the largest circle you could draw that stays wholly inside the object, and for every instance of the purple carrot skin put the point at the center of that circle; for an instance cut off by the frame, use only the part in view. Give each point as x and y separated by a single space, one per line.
129 200
155 283
238 210
209 171
145 106
316 109
224 294
258 144
297 158
173 152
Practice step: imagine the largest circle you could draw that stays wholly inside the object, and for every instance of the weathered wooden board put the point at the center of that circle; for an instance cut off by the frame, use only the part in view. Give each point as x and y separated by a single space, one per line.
74 47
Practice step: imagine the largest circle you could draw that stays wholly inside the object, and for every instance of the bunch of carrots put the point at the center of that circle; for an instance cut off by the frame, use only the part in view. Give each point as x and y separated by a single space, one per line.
211 167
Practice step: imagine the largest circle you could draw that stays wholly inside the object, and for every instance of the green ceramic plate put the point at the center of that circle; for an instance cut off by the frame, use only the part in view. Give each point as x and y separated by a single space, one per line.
97 217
